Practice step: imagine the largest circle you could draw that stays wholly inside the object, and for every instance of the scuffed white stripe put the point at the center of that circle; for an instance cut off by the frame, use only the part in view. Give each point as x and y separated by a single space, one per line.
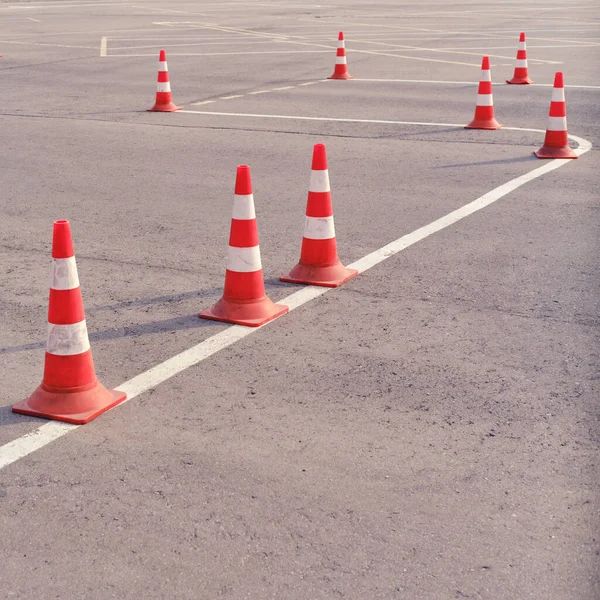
486 75
557 123
521 64
162 66
485 100
558 94
63 274
243 260
163 86
243 207
67 340
340 60
319 228
319 181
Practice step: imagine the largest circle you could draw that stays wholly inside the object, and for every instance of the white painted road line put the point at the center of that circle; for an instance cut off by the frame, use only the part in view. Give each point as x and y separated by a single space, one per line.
47 433
584 87
103 46
222 53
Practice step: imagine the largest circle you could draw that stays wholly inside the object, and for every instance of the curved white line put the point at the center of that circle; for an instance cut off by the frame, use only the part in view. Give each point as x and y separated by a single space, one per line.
30 442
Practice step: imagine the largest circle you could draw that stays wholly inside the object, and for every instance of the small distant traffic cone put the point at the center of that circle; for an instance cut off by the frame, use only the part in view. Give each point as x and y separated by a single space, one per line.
556 143
319 263
521 75
244 301
484 109
164 101
341 67
69 391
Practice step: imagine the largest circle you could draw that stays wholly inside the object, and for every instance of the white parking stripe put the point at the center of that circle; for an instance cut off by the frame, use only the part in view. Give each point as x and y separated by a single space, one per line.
44 435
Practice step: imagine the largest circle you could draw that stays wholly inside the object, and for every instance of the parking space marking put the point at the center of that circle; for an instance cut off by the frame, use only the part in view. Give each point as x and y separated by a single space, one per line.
277 89
449 51
224 53
583 87
53 430
295 40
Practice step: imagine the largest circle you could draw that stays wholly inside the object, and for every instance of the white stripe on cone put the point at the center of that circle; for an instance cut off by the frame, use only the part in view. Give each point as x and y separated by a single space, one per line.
340 60
485 100
243 207
341 44
319 181
243 260
557 124
522 46
319 228
486 76
558 94
64 274
162 65
521 64
163 86
67 340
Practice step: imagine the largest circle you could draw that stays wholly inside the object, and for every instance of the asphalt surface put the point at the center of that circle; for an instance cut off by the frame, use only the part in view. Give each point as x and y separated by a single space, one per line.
427 431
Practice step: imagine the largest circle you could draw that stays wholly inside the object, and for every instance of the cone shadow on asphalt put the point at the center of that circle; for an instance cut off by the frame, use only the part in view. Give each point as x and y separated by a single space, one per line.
8 417
500 161
187 321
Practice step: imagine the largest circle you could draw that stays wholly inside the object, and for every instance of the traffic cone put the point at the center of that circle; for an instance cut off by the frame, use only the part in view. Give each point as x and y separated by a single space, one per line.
319 263
556 143
521 75
69 391
244 301
341 67
164 101
484 109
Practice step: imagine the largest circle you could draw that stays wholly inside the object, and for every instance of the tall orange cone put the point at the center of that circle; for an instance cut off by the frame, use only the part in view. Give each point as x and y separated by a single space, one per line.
244 301
69 391
164 100
521 75
319 263
556 143
484 109
341 66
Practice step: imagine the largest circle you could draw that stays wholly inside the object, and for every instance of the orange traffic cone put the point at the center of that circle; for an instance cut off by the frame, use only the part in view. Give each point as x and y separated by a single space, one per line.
521 75
484 109
164 101
319 263
69 391
556 142
341 67
244 301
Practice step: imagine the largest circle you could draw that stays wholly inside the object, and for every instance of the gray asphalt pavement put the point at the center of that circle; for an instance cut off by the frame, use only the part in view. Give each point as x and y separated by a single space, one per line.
429 430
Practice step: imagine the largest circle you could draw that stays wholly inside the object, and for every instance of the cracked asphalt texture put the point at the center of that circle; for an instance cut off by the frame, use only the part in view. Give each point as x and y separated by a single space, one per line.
429 430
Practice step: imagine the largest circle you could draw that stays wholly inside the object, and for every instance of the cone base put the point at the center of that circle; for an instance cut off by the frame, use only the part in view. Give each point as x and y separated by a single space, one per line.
556 152
170 107
519 81
70 407
489 124
344 76
250 314
332 276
